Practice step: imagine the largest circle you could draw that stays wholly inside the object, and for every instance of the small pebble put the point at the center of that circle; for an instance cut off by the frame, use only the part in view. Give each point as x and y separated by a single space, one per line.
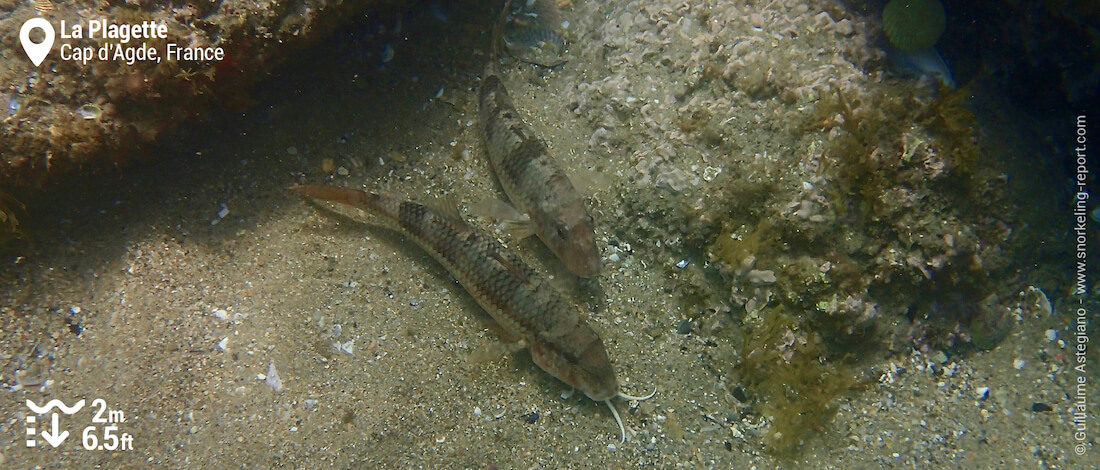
983 393
939 357
611 447
757 20
1052 335
220 314
682 264
292 150
477 411
272 378
531 417
1039 407
342 171
309 403
1018 363
13 106
223 344
413 303
684 327
74 310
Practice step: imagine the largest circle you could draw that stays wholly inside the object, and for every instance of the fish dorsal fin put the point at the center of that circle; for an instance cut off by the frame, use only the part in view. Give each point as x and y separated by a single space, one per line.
518 228
448 206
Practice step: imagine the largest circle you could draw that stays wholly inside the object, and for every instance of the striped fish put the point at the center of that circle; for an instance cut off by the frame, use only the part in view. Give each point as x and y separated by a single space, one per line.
531 177
523 303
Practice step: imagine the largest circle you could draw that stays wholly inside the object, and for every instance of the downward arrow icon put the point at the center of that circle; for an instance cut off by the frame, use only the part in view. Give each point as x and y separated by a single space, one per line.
52 436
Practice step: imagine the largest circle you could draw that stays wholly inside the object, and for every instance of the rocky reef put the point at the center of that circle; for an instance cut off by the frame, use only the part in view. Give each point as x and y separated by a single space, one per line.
822 209
68 114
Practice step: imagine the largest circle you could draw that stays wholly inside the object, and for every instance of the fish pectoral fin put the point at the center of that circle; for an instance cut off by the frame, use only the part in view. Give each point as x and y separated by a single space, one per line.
512 221
518 228
509 264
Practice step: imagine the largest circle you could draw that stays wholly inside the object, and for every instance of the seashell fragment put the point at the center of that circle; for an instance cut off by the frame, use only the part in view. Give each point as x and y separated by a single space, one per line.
43 6
89 111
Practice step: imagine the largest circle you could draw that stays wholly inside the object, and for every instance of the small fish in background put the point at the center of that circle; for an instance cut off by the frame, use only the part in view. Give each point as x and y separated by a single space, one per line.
925 62
539 46
534 33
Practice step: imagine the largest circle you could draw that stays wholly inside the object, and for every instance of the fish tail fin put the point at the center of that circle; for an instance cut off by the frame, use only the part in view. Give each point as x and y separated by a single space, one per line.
370 202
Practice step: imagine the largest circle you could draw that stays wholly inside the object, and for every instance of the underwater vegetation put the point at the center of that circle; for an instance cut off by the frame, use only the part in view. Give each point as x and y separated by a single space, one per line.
890 136
784 367
888 247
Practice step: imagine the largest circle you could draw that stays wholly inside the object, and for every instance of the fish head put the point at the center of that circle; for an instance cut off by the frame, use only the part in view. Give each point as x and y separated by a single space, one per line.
578 358
572 237
595 376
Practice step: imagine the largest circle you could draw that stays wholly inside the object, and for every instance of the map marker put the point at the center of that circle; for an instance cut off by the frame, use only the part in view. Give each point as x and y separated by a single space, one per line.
36 52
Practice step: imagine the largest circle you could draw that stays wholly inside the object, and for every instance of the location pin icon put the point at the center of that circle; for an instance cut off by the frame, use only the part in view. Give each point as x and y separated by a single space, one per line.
36 52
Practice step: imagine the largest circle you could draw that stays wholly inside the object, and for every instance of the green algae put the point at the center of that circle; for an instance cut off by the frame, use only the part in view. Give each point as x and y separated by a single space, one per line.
787 371
733 249
886 137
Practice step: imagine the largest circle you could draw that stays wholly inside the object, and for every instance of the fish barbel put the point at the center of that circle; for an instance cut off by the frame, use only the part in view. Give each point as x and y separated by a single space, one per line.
521 301
531 177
